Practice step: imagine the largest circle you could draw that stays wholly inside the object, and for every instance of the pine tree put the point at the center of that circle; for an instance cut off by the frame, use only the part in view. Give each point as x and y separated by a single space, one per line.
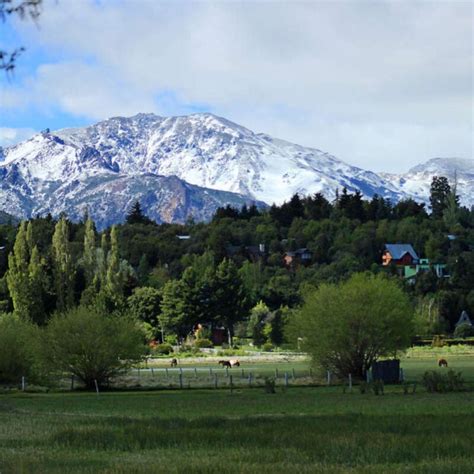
63 267
136 216
439 193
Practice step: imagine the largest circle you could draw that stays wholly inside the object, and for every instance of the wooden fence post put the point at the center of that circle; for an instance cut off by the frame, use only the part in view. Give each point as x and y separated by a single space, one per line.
23 383
96 387
329 378
350 382
215 380
286 379
231 385
181 380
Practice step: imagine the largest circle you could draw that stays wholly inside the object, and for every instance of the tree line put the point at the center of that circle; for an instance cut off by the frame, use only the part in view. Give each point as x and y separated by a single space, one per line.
230 273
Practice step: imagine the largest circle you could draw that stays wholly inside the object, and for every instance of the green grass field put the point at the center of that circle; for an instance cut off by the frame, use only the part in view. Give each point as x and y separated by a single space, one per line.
298 429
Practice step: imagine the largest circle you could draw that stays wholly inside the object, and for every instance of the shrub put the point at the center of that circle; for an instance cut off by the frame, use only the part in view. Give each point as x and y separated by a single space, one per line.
163 349
435 381
438 341
203 343
18 349
171 339
377 387
267 347
92 345
269 386
464 330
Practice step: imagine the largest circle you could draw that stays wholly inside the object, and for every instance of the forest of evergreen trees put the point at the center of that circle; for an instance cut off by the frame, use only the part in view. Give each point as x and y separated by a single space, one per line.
231 272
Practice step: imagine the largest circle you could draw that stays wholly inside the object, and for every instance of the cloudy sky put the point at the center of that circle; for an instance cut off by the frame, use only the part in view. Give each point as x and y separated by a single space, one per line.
382 85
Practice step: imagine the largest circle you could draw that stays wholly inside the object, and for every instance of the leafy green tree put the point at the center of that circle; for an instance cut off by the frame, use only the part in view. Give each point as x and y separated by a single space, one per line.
18 349
92 345
143 270
229 297
278 322
63 266
258 315
174 316
346 327
144 304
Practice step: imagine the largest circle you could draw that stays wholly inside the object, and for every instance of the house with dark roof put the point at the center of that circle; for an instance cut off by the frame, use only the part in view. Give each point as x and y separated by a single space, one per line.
299 256
399 254
251 252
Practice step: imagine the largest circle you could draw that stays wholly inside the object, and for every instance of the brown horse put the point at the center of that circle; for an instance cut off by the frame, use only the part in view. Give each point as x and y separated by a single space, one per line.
442 363
225 363
174 362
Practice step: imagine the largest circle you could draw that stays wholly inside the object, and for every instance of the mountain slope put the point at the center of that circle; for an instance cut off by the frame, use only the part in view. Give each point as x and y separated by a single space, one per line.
45 174
416 182
215 153
183 166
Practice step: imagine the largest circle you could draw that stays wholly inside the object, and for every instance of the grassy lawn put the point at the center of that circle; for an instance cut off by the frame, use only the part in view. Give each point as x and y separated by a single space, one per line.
297 430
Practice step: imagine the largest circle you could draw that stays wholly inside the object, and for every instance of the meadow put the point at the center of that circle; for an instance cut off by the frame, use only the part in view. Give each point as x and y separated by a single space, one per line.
297 429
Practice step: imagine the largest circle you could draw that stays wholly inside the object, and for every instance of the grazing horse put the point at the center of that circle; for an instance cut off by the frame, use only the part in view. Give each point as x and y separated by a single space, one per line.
442 363
225 363
174 362
234 363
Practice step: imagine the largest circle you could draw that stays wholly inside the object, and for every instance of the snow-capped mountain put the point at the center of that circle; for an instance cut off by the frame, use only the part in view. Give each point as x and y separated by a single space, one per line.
416 182
212 152
185 166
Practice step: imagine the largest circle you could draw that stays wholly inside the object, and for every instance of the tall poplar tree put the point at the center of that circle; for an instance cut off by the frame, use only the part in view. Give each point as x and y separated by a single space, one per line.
63 267
114 279
26 278
89 258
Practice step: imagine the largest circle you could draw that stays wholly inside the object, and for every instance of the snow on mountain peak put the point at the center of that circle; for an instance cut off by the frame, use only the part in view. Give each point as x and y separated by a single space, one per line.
202 149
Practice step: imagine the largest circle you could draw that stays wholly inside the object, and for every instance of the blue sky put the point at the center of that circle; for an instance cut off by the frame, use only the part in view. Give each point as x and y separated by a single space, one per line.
383 85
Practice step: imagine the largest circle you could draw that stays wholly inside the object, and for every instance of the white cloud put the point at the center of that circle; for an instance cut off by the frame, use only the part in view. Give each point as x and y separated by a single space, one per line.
10 136
359 79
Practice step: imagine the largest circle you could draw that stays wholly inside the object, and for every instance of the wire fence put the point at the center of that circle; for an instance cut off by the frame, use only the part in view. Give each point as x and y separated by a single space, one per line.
179 378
